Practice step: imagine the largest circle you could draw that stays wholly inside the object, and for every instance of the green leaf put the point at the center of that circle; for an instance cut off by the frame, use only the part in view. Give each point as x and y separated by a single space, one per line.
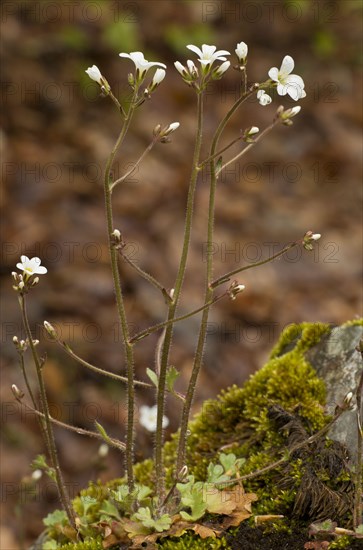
87 503
142 492
216 474
108 510
58 517
171 375
192 497
101 430
143 515
359 529
153 377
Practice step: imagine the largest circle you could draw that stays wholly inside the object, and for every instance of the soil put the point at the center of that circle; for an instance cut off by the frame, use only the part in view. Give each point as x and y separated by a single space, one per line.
256 538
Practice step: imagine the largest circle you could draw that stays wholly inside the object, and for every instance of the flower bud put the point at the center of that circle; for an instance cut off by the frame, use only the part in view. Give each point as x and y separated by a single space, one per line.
18 394
309 239
50 329
235 289
241 52
249 133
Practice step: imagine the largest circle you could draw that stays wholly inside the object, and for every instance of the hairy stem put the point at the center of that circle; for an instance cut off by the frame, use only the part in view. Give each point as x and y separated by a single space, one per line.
208 290
63 495
129 455
160 397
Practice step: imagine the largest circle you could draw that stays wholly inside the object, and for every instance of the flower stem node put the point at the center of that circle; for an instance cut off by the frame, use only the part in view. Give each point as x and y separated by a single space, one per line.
309 239
235 289
50 329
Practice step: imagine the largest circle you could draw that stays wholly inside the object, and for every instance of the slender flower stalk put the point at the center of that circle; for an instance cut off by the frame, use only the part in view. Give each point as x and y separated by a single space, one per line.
208 289
135 165
129 455
160 397
63 495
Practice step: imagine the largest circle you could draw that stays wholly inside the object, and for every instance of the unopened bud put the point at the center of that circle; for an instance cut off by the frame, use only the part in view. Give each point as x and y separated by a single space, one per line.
183 473
35 281
235 289
309 238
35 342
18 394
156 130
15 340
50 329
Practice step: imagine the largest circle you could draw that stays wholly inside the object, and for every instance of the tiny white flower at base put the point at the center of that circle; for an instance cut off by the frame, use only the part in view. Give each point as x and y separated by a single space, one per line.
263 98
315 236
18 394
241 51
103 450
31 266
287 83
95 74
117 234
36 475
148 418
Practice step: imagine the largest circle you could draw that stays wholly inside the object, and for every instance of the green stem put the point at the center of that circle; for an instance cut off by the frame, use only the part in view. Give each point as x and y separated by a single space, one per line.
208 290
132 170
98 370
147 276
157 327
227 276
81 431
160 396
129 455
64 497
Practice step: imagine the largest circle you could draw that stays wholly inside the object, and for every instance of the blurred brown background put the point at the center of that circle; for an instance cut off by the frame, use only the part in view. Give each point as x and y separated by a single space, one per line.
57 134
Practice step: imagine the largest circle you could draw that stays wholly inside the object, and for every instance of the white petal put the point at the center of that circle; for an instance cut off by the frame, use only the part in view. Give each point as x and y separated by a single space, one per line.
20 266
287 65
208 51
180 68
274 74
24 259
281 89
195 49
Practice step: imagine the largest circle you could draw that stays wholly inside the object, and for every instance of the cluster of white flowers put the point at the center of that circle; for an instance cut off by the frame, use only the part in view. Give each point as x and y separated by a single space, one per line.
282 79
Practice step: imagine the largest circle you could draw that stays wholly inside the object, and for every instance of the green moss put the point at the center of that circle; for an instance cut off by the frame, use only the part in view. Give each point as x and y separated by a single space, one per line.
94 544
190 541
238 421
354 323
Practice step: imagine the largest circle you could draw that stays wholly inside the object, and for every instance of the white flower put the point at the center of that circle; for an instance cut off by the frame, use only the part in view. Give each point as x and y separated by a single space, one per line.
263 98
148 417
287 83
253 130
315 236
141 64
158 77
241 51
208 54
95 74
31 266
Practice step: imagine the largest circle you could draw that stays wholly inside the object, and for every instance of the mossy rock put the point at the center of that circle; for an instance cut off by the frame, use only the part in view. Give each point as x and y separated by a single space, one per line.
286 399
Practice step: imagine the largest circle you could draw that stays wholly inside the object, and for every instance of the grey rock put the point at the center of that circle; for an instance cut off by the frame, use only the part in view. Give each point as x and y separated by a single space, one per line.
337 361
